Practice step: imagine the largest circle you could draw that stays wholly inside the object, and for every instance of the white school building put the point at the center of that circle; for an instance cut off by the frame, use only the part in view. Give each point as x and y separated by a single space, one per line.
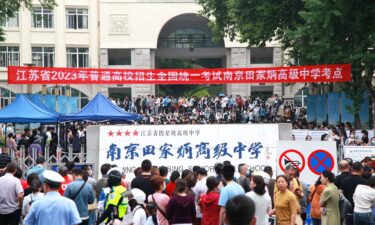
125 34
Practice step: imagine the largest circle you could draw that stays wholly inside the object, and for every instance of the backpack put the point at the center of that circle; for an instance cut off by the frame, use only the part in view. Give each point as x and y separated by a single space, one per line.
28 206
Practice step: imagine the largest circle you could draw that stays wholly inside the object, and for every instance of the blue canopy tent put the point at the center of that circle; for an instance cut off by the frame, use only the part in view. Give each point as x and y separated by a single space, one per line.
38 102
100 108
22 110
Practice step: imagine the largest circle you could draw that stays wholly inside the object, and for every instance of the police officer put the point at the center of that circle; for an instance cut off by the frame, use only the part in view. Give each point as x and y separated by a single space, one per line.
116 203
53 208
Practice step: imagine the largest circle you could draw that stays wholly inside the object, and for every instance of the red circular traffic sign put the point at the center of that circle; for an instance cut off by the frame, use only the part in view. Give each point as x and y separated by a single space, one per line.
285 156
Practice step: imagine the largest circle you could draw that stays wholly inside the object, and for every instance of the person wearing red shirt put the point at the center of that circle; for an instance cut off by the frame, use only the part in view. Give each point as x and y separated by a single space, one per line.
63 171
169 189
18 174
209 203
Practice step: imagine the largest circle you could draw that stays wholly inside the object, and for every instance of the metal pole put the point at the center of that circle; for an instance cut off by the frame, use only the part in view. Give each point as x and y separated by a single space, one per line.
58 153
70 152
5 136
303 100
82 158
58 133
46 154
34 155
22 157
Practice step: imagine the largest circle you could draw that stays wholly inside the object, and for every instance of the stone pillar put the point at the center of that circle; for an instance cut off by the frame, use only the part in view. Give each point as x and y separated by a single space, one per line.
278 61
68 90
103 58
44 89
238 58
142 58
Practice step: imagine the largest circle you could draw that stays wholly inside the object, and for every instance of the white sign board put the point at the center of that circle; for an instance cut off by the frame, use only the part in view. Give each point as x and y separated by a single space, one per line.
316 135
300 134
358 153
181 147
310 157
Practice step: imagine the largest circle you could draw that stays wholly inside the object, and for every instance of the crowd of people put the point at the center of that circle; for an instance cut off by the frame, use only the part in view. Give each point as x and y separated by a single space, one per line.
343 134
158 196
214 109
35 141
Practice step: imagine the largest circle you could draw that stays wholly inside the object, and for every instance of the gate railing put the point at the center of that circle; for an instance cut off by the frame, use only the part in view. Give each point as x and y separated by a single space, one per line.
26 158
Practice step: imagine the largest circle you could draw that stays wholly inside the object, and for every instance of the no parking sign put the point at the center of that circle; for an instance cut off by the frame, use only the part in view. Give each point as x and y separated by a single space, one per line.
320 160
311 158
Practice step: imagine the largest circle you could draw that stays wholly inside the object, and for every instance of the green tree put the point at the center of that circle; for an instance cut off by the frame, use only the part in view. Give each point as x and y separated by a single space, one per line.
313 31
8 8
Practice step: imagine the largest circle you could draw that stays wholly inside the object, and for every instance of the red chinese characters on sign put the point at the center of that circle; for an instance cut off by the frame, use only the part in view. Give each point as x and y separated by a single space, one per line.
294 74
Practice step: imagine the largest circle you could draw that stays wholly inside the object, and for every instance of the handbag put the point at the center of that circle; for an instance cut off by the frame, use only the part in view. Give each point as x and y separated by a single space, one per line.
299 220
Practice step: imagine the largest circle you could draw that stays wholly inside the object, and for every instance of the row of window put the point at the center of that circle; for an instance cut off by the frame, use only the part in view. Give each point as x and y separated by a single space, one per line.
44 18
44 56
6 96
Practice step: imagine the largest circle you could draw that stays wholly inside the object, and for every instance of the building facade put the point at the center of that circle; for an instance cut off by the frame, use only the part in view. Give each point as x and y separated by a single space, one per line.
124 34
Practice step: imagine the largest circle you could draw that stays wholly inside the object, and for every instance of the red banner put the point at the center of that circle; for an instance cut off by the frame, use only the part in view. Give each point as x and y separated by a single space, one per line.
293 74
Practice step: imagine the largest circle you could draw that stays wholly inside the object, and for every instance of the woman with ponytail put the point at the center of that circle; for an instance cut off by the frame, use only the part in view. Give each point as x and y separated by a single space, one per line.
151 210
36 194
209 202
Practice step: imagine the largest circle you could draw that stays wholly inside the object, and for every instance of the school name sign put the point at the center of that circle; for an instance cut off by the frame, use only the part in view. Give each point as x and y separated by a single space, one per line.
292 74
181 147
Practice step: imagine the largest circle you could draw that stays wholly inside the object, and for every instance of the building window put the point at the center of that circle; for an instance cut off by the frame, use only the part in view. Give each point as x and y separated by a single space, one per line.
9 56
261 55
189 38
43 56
300 99
77 57
77 19
63 90
42 18
119 57
11 22
6 97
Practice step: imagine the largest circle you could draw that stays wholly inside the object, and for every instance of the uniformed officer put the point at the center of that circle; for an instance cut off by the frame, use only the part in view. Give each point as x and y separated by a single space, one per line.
116 202
53 208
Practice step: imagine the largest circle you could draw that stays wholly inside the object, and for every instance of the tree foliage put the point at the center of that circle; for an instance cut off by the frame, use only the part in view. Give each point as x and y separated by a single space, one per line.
8 8
314 31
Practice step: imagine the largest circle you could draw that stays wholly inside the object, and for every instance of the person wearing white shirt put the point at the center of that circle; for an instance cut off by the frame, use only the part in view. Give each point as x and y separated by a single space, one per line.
262 200
139 215
199 189
137 208
36 187
364 200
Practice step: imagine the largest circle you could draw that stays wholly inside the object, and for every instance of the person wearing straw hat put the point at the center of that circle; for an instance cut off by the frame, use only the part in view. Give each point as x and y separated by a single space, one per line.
53 208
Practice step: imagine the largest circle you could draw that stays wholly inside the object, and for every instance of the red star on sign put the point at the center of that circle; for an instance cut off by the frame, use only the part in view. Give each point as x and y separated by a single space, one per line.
135 133
110 133
127 133
118 133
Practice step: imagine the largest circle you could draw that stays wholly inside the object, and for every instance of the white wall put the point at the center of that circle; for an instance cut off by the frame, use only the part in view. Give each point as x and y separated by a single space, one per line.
137 24
58 37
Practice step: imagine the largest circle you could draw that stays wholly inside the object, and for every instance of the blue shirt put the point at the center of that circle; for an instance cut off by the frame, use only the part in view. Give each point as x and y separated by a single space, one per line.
38 170
85 197
53 209
232 189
